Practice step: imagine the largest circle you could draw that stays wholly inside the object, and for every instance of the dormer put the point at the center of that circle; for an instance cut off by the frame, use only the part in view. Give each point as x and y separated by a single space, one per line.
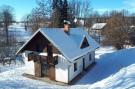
84 43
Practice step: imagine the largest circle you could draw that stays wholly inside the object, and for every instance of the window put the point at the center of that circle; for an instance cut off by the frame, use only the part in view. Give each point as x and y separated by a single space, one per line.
75 67
89 57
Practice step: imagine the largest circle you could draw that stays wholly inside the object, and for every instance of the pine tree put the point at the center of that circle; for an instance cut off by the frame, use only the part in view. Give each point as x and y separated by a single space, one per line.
65 10
60 12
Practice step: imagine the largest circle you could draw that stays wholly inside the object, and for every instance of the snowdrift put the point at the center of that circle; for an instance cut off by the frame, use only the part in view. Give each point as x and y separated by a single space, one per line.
114 70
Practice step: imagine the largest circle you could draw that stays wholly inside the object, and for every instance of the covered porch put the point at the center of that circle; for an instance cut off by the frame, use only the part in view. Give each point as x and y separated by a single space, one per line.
44 65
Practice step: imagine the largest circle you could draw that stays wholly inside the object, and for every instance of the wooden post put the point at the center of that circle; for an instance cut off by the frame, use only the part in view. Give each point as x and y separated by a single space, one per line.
52 72
37 69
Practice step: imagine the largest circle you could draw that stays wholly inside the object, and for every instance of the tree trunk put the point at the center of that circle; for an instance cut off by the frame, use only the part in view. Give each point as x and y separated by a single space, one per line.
7 37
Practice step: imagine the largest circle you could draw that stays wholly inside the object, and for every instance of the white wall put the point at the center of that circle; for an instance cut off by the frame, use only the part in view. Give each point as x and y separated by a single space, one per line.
61 70
93 56
29 65
87 59
72 73
79 62
64 70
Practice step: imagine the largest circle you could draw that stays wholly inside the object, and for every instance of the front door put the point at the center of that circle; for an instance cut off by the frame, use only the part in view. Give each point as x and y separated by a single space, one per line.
45 69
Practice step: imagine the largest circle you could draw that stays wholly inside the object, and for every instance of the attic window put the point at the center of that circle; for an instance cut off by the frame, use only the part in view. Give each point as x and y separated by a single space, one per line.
84 43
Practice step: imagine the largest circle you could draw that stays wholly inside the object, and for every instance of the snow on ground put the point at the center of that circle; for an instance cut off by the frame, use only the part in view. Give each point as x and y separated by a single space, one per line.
19 32
104 50
14 80
114 70
110 68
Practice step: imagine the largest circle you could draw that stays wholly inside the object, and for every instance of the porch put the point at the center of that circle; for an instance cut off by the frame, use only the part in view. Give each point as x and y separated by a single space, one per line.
44 65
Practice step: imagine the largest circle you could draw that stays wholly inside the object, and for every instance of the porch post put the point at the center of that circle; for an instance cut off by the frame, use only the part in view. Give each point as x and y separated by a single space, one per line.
37 69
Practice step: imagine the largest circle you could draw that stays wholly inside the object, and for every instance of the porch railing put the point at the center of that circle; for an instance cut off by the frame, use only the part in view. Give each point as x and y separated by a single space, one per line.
50 60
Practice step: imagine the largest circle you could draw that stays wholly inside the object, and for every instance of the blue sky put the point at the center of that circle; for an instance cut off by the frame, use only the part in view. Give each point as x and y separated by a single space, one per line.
103 5
23 7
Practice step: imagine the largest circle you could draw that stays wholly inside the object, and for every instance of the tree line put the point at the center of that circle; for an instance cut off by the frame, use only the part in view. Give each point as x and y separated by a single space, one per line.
52 13
7 17
120 28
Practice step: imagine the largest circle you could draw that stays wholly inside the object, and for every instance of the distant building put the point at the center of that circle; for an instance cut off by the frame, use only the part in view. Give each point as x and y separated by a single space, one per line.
97 29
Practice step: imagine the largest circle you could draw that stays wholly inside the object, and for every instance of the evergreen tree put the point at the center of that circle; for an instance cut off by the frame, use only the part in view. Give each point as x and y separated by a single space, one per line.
60 12
65 10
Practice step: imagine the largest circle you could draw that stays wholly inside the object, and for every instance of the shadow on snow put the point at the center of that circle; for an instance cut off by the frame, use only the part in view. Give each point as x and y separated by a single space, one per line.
108 64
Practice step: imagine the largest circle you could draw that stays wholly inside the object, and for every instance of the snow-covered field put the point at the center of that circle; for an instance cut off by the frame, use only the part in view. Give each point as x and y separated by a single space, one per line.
19 33
114 70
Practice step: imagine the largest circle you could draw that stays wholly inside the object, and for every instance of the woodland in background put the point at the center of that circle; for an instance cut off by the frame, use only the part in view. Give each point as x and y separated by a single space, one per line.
120 29
52 13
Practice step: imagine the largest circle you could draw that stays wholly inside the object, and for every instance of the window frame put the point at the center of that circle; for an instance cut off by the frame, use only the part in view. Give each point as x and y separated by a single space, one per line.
75 66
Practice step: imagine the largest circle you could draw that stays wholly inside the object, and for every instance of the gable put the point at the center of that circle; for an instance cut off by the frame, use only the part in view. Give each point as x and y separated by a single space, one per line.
84 43
38 43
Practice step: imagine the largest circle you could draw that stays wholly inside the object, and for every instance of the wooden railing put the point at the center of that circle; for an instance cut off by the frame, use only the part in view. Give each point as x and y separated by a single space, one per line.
50 60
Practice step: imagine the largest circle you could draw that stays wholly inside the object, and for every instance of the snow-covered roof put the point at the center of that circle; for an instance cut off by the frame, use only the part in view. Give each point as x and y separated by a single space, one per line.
68 45
98 26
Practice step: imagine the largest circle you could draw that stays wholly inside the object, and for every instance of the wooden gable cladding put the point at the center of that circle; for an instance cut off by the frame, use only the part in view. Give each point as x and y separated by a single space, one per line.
85 43
39 43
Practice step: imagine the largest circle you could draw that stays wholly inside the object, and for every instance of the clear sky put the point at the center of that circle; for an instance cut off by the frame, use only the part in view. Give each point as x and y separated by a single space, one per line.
23 7
103 5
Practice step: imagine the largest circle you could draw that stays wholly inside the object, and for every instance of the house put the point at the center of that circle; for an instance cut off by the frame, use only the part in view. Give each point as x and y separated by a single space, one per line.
59 53
96 30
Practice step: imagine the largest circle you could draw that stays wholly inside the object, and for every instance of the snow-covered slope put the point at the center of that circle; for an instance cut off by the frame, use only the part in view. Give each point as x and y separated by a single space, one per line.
114 70
19 33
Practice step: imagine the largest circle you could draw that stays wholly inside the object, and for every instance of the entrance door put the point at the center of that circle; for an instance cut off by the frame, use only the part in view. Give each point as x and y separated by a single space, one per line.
45 69
83 63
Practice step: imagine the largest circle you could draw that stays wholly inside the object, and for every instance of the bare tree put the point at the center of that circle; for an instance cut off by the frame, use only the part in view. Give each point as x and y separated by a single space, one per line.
38 17
117 32
132 19
24 20
7 17
80 9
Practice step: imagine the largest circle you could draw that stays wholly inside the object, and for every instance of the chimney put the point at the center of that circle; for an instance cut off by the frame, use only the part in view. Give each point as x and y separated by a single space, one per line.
66 27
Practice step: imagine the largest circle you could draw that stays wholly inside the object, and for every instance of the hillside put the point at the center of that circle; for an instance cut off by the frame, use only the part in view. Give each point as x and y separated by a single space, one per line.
114 70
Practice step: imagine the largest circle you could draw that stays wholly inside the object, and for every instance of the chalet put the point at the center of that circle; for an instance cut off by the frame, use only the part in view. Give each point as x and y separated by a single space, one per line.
59 53
96 30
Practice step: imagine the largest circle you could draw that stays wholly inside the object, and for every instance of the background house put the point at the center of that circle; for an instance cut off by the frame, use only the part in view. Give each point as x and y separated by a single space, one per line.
96 30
